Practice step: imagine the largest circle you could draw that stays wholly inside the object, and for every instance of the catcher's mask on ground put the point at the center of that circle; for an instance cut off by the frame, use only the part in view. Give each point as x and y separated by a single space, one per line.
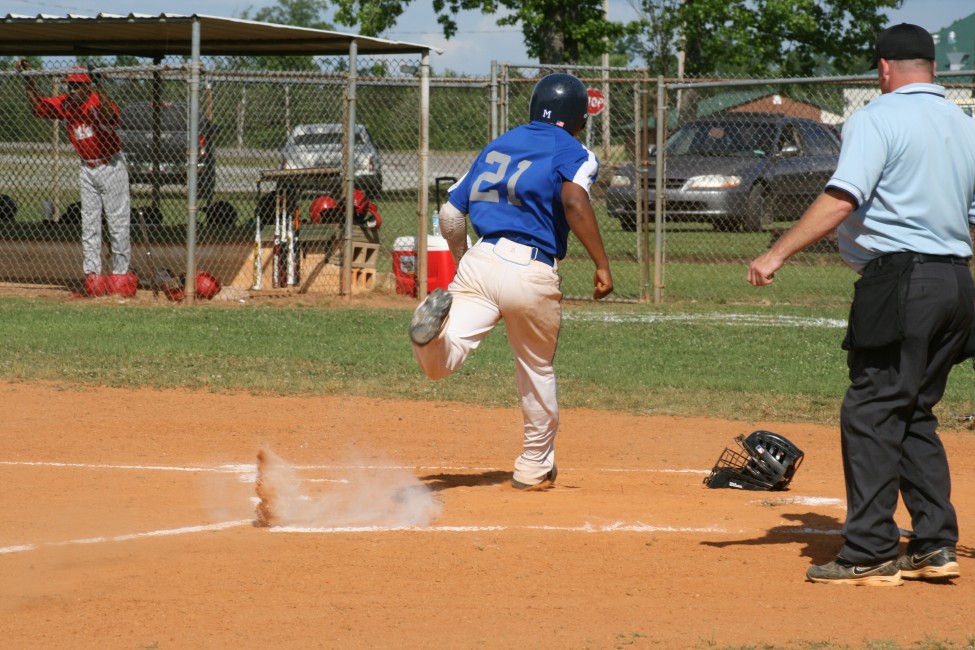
767 461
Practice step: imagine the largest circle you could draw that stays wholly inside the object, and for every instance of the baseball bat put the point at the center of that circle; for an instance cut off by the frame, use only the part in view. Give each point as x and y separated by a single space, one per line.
282 253
258 275
153 280
297 247
276 257
290 238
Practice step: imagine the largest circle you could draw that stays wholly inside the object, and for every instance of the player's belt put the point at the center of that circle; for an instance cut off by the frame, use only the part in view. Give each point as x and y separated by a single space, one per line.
98 162
538 254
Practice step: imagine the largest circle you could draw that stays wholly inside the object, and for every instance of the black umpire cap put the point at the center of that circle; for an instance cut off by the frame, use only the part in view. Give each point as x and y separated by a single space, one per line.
904 41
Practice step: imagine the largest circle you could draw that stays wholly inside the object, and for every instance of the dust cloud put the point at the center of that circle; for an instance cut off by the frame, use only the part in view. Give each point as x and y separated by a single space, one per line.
354 496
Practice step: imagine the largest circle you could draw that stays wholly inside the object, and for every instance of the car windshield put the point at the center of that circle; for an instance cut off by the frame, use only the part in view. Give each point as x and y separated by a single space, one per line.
317 139
737 139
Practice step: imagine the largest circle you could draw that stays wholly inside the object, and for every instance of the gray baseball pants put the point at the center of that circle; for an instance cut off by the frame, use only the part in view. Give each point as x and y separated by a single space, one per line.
105 188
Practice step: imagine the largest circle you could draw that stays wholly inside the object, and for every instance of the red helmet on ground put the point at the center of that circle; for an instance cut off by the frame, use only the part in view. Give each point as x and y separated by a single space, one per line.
174 292
324 209
207 286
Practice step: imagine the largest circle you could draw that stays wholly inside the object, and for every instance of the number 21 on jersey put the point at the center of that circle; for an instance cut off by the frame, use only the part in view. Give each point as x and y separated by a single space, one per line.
491 179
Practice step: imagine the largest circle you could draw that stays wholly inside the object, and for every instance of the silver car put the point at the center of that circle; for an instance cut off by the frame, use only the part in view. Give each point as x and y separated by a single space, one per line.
320 145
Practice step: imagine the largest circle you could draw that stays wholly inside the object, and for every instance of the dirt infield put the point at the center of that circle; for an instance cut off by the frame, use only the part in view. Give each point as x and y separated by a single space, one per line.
127 522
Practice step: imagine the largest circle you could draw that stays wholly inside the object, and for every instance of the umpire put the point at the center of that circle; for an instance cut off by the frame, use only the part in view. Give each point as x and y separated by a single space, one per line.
902 199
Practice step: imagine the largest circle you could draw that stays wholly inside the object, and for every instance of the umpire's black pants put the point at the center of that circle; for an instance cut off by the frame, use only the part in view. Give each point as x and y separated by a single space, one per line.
889 431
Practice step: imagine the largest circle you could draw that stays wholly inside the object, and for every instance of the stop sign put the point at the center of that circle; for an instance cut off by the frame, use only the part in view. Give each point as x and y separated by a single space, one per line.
596 101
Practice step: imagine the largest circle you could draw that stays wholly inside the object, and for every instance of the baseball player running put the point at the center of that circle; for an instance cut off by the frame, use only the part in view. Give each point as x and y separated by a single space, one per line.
91 119
524 193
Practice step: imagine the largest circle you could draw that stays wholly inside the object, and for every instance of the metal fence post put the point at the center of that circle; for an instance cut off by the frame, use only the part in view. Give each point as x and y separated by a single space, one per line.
349 189
658 243
194 158
640 188
494 100
423 189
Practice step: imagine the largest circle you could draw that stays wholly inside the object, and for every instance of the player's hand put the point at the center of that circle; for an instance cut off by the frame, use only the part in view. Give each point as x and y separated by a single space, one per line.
602 283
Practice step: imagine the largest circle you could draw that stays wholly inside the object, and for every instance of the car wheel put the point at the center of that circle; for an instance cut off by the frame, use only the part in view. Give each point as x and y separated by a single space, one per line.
206 185
627 222
758 213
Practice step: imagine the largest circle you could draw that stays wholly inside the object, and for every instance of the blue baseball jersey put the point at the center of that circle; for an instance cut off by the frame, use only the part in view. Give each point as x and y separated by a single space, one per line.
514 187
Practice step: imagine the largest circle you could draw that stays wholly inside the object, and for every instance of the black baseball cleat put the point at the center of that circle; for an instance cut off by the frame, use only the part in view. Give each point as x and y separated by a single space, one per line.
883 574
936 564
429 317
547 481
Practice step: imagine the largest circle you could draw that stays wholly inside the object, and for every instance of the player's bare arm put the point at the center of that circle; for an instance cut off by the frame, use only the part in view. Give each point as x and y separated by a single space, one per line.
821 218
23 65
582 222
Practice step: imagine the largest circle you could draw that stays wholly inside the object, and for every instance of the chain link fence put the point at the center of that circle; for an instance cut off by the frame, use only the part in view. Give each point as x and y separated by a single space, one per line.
744 158
270 161
738 162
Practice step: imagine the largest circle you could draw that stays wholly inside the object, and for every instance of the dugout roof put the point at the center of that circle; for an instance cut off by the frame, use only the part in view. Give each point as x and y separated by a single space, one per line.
166 34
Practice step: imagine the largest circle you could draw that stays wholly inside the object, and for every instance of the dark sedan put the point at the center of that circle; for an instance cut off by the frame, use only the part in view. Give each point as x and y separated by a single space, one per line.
737 171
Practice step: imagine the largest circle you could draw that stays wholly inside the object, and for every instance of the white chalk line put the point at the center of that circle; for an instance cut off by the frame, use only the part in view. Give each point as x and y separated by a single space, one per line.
245 469
618 527
251 469
131 536
752 320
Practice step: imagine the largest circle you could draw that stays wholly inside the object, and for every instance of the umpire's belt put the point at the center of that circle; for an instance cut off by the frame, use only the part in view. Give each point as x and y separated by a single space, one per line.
924 258
538 254
921 258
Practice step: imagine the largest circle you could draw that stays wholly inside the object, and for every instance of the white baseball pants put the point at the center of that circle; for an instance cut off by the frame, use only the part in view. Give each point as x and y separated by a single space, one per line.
526 294
105 187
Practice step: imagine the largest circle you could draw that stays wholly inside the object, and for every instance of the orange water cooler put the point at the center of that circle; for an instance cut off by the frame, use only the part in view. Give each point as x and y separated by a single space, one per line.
440 264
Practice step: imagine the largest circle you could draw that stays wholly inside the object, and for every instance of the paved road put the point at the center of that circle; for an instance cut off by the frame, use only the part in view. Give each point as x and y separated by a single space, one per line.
35 171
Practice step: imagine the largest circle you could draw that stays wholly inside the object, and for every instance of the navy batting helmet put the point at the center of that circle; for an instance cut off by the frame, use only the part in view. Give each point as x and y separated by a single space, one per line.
560 99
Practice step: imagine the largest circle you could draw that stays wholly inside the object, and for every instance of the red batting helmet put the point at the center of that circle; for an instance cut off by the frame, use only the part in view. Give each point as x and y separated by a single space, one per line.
360 201
324 209
207 286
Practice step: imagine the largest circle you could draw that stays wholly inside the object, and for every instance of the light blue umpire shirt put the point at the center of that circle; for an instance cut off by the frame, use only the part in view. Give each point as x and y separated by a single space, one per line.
908 160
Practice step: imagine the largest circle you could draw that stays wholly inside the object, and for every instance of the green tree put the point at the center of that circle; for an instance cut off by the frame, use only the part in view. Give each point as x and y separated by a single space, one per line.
760 37
555 31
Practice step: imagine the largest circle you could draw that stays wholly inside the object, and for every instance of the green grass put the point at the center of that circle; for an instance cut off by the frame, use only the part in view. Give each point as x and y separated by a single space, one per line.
631 358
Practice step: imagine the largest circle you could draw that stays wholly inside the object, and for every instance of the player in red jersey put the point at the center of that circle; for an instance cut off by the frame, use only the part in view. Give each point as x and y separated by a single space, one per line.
91 119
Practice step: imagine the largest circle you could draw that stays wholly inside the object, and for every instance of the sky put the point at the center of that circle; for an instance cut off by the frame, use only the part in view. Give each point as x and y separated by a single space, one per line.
479 40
